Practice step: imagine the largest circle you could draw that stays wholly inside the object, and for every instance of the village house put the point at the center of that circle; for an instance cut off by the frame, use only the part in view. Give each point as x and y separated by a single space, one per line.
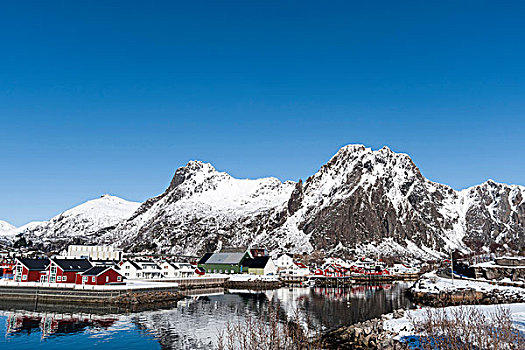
260 265
223 262
283 262
99 275
176 269
29 269
131 270
62 270
144 269
297 269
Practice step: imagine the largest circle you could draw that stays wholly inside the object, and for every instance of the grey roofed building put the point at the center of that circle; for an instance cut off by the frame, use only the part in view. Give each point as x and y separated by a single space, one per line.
224 262
226 258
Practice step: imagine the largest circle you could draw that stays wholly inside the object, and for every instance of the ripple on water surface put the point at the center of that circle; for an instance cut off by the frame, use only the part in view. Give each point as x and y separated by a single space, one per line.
192 323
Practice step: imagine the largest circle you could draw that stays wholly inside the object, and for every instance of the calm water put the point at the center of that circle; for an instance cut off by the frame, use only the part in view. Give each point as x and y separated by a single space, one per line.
192 323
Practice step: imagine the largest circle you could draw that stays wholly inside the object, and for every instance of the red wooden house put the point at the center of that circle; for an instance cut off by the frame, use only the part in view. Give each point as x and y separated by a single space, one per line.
99 275
29 270
65 270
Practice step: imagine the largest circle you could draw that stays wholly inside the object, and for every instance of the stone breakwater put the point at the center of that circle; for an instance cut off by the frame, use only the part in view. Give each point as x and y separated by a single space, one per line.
369 334
254 285
466 296
146 298
435 291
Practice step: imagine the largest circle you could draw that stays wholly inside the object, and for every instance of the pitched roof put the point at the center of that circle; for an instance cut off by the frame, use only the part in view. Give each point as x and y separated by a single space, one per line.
225 258
259 262
73 265
234 249
134 264
34 264
204 258
95 270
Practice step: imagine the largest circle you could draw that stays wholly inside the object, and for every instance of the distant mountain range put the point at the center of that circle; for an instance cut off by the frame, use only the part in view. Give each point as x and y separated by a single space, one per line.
360 202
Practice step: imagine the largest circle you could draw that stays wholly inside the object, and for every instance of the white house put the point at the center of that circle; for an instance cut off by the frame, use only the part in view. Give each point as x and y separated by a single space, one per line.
131 270
150 269
140 270
297 269
176 270
185 270
285 261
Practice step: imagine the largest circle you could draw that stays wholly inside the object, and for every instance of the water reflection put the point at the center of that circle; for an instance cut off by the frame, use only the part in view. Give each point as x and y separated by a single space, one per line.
55 324
194 322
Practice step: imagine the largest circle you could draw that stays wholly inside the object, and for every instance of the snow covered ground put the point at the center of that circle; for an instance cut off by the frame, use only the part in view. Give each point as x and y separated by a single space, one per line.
403 326
252 278
431 283
136 284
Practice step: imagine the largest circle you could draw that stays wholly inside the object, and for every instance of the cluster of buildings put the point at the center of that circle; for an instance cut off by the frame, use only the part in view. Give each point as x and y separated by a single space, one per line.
100 265
90 265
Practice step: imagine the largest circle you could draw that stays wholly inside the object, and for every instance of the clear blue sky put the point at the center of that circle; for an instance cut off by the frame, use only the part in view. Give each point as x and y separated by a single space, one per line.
112 96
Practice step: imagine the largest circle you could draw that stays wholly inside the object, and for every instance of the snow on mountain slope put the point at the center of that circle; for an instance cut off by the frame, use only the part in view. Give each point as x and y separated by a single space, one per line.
5 227
201 207
360 202
78 222
362 196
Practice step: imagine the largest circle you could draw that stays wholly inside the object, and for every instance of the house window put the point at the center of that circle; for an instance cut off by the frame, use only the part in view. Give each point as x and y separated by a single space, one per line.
64 278
127 267
107 279
232 271
53 269
59 278
119 279
24 277
93 279
127 274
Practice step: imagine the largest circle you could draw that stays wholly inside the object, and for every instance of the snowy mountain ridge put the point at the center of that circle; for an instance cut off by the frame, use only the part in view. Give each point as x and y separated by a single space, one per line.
84 219
362 201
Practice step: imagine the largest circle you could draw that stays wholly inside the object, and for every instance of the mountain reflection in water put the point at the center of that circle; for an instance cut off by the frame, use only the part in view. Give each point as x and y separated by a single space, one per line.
194 322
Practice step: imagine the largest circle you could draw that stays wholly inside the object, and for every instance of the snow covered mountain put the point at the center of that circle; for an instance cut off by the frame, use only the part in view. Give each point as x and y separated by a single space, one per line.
360 201
202 209
5 227
75 224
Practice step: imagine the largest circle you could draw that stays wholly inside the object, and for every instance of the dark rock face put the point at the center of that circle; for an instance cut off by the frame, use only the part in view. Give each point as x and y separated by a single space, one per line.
295 201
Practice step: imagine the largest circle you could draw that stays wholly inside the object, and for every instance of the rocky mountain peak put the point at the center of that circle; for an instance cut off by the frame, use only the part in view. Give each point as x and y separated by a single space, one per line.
194 173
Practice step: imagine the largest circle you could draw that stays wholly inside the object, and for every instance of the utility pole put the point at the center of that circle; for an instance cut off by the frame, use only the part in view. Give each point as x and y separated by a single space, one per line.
451 267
